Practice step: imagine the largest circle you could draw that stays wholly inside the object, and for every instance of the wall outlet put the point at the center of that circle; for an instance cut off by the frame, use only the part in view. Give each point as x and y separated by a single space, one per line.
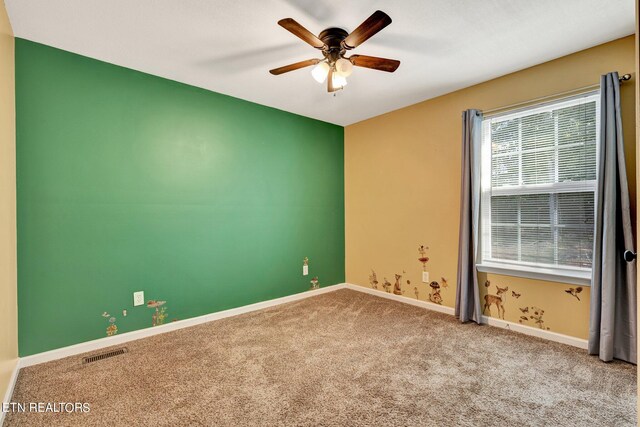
425 277
138 298
305 270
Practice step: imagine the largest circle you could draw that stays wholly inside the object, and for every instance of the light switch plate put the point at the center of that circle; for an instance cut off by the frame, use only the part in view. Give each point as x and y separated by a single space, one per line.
138 298
305 270
425 277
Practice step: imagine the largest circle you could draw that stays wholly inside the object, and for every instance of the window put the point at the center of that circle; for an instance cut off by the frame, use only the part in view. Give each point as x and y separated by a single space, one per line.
538 182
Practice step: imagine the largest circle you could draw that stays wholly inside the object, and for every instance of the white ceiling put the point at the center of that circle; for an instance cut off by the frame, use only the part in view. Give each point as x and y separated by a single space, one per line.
228 46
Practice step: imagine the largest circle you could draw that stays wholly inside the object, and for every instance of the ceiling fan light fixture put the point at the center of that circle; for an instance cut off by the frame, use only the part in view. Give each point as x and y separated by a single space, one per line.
344 67
320 72
334 43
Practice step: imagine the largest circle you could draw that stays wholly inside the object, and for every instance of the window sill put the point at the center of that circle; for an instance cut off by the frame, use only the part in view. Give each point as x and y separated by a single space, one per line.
562 275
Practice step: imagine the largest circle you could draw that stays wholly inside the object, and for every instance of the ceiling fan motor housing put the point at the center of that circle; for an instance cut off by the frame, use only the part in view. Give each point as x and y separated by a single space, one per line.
332 38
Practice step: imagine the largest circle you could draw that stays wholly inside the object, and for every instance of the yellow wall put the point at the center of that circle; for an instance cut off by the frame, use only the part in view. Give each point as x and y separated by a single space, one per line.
402 185
8 300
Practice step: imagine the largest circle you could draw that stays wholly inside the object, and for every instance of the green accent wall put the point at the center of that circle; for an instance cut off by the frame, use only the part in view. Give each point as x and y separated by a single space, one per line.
129 182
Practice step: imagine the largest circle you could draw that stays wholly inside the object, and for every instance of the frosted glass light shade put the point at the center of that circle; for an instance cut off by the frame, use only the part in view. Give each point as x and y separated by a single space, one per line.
344 67
320 72
338 80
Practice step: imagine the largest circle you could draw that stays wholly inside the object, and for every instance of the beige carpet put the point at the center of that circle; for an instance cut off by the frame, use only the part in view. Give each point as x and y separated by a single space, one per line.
339 359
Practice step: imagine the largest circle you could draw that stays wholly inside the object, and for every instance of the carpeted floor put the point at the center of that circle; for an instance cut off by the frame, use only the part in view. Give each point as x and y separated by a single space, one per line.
337 359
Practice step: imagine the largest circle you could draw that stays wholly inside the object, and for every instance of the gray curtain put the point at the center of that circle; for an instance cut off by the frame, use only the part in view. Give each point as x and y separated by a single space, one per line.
612 326
467 291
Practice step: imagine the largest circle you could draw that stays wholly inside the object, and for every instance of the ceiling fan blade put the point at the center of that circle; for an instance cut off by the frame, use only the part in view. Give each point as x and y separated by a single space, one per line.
330 87
291 67
300 31
382 64
368 28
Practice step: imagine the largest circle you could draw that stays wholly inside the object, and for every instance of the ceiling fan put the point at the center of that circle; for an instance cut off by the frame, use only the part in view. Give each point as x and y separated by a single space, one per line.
334 44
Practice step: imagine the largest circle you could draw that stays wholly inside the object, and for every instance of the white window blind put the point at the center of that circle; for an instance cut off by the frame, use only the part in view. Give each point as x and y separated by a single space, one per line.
538 182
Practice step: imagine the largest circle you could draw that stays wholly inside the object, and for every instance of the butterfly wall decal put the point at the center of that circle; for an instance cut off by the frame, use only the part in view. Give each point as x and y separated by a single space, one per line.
574 292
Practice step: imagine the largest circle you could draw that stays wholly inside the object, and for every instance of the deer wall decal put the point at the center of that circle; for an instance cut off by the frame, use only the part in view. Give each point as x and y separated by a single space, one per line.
497 300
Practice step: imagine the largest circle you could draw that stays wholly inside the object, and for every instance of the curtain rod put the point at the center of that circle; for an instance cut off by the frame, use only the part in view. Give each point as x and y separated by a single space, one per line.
577 91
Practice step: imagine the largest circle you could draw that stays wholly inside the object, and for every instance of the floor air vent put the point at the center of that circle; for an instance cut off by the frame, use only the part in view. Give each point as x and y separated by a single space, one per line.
102 356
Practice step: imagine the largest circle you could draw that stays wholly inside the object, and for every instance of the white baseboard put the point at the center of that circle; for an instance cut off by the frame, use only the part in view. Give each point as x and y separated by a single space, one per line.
99 343
10 387
491 321
536 332
402 298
